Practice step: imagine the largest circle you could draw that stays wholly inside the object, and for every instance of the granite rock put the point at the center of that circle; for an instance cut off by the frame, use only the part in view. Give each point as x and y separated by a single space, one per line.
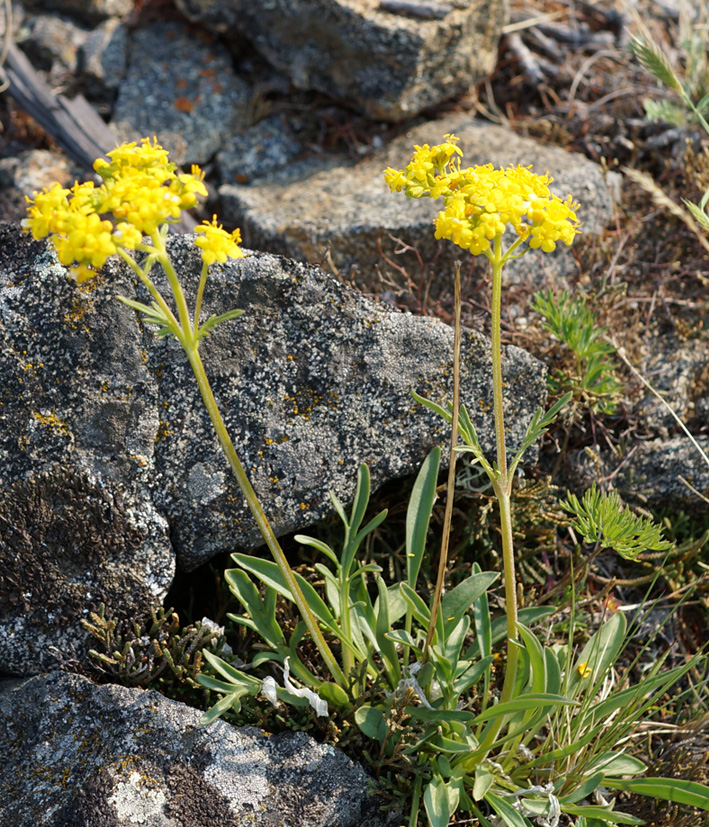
79 755
77 430
312 380
182 89
346 210
375 57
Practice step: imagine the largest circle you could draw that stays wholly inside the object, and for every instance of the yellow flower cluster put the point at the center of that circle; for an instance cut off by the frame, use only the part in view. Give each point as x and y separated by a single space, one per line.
141 191
218 244
481 202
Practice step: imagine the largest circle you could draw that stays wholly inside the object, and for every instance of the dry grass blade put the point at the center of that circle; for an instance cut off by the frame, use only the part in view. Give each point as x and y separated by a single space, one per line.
665 202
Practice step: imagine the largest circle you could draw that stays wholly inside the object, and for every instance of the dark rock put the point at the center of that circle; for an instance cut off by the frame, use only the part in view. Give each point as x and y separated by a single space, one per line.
103 59
182 89
259 150
79 755
312 380
389 65
77 429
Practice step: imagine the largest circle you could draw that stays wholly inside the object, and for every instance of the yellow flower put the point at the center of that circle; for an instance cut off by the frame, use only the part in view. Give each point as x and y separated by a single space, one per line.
44 209
481 202
584 670
218 244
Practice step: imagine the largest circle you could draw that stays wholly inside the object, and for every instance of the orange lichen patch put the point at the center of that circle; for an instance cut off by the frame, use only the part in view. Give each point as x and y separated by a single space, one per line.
183 104
208 73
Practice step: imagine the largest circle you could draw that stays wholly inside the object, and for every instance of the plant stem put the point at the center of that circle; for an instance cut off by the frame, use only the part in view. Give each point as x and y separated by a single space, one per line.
260 516
450 488
503 489
186 335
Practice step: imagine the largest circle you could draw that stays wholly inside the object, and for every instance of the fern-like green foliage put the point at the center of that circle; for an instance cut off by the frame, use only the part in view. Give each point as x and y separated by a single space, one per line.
604 519
569 319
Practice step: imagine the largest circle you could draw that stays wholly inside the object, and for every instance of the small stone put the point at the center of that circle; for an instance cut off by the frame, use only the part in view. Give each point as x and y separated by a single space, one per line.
80 755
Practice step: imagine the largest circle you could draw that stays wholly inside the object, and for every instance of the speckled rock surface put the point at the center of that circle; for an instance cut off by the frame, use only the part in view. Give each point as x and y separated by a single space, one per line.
182 89
79 755
650 475
389 65
77 431
312 380
346 208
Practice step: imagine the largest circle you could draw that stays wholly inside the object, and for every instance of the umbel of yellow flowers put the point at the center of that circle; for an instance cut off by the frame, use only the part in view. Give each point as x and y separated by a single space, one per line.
141 192
481 203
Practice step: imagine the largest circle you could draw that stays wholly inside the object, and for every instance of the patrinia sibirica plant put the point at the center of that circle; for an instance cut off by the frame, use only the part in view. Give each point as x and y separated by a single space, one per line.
416 673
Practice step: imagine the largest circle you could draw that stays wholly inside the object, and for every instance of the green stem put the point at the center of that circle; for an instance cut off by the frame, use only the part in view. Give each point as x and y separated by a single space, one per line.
450 488
186 336
503 489
260 516
198 303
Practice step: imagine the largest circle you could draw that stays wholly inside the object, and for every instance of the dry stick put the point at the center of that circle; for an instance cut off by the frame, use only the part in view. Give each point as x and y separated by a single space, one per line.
450 488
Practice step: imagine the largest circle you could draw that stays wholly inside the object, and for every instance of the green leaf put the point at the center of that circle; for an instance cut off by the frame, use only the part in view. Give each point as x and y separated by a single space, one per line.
603 519
600 652
268 572
537 661
371 722
668 789
439 716
601 813
458 600
584 789
206 328
614 765
231 701
441 801
536 701
483 781
538 425
324 548
510 816
420 610
335 695
418 514
386 647
262 614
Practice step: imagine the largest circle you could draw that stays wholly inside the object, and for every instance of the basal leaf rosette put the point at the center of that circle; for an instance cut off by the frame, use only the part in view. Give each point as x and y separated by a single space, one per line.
141 192
482 203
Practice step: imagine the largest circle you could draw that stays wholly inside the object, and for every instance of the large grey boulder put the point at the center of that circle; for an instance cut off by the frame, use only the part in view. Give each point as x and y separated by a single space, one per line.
108 459
181 89
345 210
79 755
78 417
384 59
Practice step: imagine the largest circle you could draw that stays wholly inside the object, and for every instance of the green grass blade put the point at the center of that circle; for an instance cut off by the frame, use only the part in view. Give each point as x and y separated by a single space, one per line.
668 789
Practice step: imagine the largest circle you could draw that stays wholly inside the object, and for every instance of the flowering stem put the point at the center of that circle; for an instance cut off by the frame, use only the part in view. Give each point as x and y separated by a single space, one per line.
503 489
260 516
450 488
185 333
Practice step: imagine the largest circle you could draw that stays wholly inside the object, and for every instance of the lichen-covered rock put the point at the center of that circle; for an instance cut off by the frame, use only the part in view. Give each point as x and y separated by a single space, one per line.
77 430
79 755
346 209
312 380
382 58
181 89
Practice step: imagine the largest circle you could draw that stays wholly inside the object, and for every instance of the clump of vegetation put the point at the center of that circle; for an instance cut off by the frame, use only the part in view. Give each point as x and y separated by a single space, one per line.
592 382
159 652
